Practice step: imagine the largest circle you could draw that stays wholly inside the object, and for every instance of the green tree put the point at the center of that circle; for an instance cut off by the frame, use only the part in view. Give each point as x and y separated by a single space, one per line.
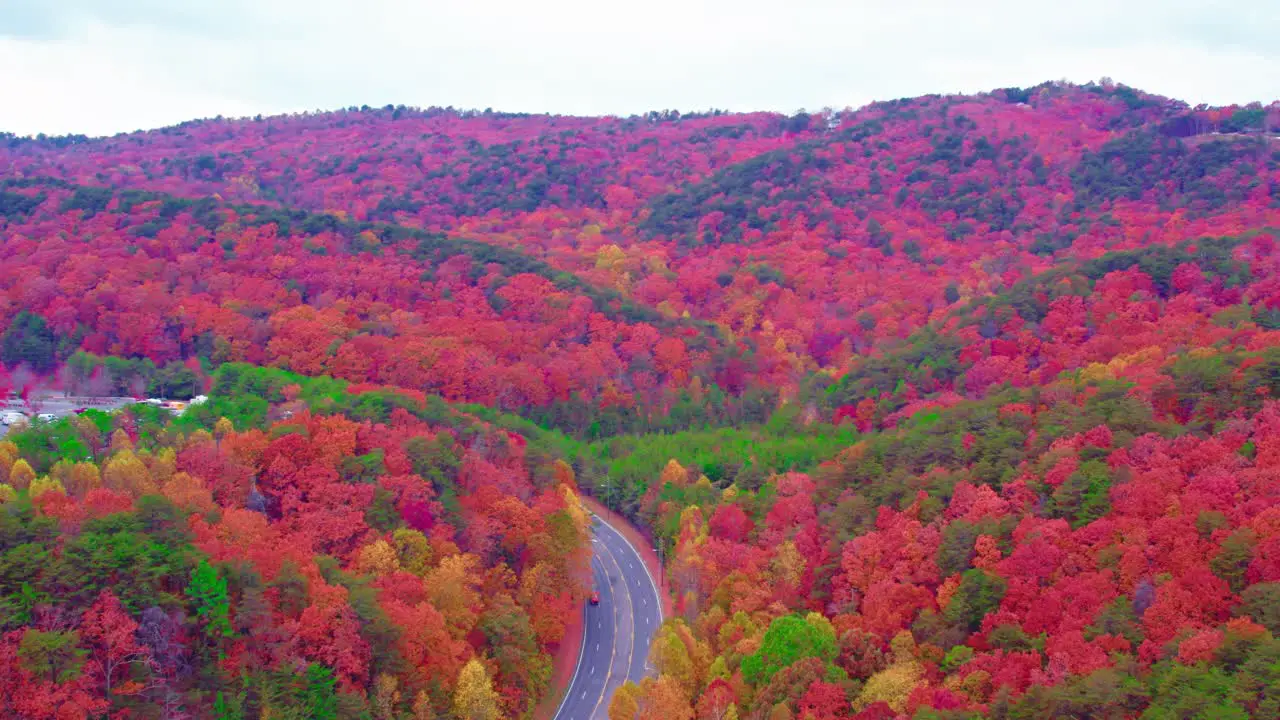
208 590
788 639
1232 561
1107 694
228 706
175 380
1085 495
53 656
1179 691
318 696
1262 603
114 553
29 341
979 593
956 551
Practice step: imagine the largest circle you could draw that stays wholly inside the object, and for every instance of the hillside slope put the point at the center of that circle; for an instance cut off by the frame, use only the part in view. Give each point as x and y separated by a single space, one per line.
807 240
947 407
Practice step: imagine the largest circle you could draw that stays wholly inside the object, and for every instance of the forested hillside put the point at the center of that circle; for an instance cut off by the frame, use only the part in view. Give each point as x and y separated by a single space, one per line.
947 407
361 552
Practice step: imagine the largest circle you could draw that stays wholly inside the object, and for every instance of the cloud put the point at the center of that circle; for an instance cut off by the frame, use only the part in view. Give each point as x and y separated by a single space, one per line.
96 68
103 82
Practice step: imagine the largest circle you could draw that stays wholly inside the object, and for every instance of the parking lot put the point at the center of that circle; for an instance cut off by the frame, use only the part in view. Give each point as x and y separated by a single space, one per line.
61 406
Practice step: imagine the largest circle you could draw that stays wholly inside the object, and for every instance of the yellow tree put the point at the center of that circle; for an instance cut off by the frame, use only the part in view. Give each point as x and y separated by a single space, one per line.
120 441
386 696
663 699
162 465
610 257
564 473
414 550
221 429
539 586
8 456
894 684
451 588
576 558
42 485
787 566
780 712
378 558
199 437
126 472
678 653
474 698
573 504
187 491
78 478
623 706
673 473
21 475
687 566
671 658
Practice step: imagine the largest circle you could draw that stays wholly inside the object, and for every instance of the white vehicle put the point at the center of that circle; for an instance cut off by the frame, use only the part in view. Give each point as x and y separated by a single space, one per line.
46 417
10 418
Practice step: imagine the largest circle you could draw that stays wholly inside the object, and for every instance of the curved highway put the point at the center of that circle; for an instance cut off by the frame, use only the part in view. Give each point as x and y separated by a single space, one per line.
617 632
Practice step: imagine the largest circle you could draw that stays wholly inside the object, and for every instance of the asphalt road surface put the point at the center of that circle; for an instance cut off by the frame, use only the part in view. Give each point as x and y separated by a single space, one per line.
615 644
61 407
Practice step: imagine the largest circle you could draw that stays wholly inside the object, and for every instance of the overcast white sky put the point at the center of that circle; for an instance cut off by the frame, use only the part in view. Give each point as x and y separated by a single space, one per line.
105 66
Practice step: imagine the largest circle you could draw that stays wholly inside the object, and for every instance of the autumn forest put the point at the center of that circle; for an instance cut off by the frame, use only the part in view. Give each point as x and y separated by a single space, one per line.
944 408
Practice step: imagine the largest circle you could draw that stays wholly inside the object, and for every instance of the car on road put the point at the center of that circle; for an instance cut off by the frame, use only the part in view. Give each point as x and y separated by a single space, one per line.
595 598
10 418
80 411
46 417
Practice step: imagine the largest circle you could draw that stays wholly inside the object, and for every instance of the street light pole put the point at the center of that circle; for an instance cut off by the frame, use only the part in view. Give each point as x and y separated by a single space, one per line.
662 569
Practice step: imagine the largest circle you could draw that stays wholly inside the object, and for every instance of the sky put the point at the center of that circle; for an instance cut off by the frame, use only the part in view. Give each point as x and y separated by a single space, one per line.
98 67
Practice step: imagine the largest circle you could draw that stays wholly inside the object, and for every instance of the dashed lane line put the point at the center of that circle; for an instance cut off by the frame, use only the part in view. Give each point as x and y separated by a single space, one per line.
616 626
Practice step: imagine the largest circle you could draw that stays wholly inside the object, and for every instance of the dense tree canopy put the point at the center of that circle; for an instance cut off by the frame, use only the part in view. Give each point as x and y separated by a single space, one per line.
947 407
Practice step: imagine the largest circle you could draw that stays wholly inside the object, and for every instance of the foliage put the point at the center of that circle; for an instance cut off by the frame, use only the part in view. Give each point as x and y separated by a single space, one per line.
945 407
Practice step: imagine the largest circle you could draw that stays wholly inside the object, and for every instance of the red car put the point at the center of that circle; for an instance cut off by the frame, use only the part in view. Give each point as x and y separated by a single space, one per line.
595 598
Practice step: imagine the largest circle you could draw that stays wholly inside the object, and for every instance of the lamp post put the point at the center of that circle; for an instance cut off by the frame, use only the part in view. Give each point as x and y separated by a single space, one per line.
662 569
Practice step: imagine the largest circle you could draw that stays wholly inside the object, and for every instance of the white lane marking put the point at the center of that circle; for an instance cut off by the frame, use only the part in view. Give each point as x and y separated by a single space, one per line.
617 608
643 565
583 696
644 602
597 646
597 623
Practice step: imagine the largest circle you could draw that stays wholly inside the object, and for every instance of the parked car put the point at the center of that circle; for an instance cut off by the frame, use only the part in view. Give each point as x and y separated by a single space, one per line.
10 418
46 417
595 598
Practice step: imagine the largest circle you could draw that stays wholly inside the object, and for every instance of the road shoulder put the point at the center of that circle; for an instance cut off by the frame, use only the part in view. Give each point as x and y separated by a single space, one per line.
642 543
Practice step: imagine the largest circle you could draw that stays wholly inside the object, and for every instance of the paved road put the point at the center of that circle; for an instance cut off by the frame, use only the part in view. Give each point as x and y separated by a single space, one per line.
615 644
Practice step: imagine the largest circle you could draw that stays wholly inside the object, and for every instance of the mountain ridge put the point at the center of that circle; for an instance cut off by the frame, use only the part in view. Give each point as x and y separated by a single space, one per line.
949 407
